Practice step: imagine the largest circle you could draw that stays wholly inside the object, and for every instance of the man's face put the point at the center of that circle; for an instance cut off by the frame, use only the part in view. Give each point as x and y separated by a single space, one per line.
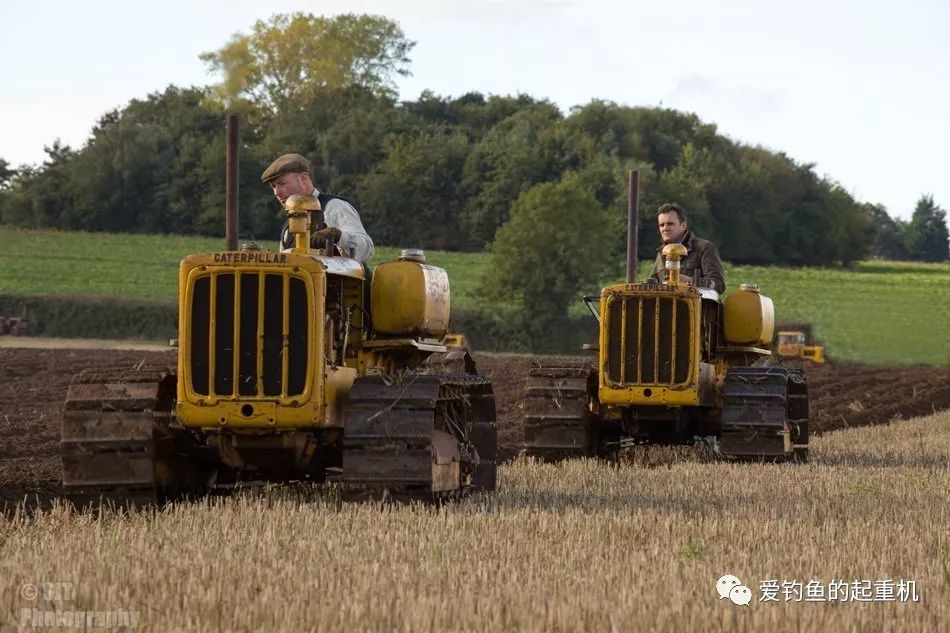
287 185
672 230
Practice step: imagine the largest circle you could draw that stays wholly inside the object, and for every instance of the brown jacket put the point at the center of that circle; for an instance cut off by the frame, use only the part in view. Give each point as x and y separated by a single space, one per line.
702 263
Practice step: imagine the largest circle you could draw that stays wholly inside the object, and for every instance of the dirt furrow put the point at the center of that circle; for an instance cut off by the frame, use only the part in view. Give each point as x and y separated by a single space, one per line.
33 385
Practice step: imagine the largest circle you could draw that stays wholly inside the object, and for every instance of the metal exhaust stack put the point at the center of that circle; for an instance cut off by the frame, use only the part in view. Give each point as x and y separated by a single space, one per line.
231 184
633 225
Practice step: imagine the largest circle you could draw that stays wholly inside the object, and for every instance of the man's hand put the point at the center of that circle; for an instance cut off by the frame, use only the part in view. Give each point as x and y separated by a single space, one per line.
318 239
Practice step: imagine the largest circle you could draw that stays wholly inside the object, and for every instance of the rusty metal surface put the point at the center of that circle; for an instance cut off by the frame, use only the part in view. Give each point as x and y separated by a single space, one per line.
765 414
387 432
116 442
428 432
429 435
113 396
99 425
557 420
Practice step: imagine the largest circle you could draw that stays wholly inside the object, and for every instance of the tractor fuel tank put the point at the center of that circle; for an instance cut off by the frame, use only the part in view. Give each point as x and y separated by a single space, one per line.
749 317
410 297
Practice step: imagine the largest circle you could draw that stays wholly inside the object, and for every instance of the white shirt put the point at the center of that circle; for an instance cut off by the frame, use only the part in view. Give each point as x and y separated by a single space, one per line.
354 241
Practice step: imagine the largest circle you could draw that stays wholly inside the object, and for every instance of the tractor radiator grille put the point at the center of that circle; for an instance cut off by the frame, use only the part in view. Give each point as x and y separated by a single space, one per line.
249 330
648 340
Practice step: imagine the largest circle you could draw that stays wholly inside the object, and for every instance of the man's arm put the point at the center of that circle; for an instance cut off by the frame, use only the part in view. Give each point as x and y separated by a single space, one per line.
341 214
711 267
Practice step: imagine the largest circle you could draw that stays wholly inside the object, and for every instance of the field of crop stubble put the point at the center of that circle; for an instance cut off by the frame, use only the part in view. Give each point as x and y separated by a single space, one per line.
576 546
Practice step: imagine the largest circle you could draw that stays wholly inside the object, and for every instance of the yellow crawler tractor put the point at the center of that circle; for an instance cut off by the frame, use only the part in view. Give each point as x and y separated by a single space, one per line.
293 365
793 345
675 362
455 340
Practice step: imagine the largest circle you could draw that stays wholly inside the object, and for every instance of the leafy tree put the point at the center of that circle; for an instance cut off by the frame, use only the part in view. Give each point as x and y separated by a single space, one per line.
341 133
515 154
6 176
146 167
888 233
472 111
410 198
603 128
290 59
39 196
850 226
549 253
690 183
437 172
926 236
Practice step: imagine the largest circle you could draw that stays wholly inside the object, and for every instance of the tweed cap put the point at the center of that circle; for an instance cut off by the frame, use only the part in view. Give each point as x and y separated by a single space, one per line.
286 164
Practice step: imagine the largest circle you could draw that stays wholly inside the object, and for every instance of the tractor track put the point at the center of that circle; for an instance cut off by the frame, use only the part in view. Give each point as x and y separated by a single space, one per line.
33 385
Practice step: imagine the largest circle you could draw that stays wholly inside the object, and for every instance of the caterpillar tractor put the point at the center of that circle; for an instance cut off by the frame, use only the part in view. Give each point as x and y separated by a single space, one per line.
455 340
292 365
675 362
14 326
793 346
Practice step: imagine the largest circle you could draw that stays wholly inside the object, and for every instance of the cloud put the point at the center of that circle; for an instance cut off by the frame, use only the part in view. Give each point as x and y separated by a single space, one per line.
701 93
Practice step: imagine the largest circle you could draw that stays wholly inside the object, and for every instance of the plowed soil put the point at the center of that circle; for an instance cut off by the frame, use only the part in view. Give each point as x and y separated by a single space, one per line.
33 385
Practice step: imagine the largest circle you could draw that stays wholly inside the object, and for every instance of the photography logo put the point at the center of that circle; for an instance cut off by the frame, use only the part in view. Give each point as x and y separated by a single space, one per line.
731 587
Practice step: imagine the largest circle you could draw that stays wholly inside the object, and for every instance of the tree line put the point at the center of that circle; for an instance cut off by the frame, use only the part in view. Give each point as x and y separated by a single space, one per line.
441 172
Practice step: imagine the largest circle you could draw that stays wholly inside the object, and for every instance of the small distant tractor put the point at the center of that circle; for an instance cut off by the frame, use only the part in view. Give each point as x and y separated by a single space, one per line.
793 344
14 326
675 362
455 340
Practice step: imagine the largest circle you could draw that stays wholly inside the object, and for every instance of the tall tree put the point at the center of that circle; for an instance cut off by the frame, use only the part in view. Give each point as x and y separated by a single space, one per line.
6 176
341 132
411 197
40 196
287 60
549 253
6 173
888 233
926 234
515 154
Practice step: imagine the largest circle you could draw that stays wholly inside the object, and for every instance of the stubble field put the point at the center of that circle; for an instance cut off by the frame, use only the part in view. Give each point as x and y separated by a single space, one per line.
575 546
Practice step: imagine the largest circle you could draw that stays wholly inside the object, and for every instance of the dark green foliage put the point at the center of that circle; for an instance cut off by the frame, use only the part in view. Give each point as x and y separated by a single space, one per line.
93 317
516 153
41 196
409 197
554 248
438 172
925 236
888 234
6 176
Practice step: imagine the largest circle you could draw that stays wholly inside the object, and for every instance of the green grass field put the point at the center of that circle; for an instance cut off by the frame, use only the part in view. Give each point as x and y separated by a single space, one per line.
145 266
876 312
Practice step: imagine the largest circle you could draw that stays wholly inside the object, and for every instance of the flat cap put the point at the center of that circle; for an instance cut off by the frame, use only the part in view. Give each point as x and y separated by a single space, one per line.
286 164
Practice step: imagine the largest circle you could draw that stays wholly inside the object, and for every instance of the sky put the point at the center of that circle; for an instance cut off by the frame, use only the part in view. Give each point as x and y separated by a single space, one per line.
861 89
